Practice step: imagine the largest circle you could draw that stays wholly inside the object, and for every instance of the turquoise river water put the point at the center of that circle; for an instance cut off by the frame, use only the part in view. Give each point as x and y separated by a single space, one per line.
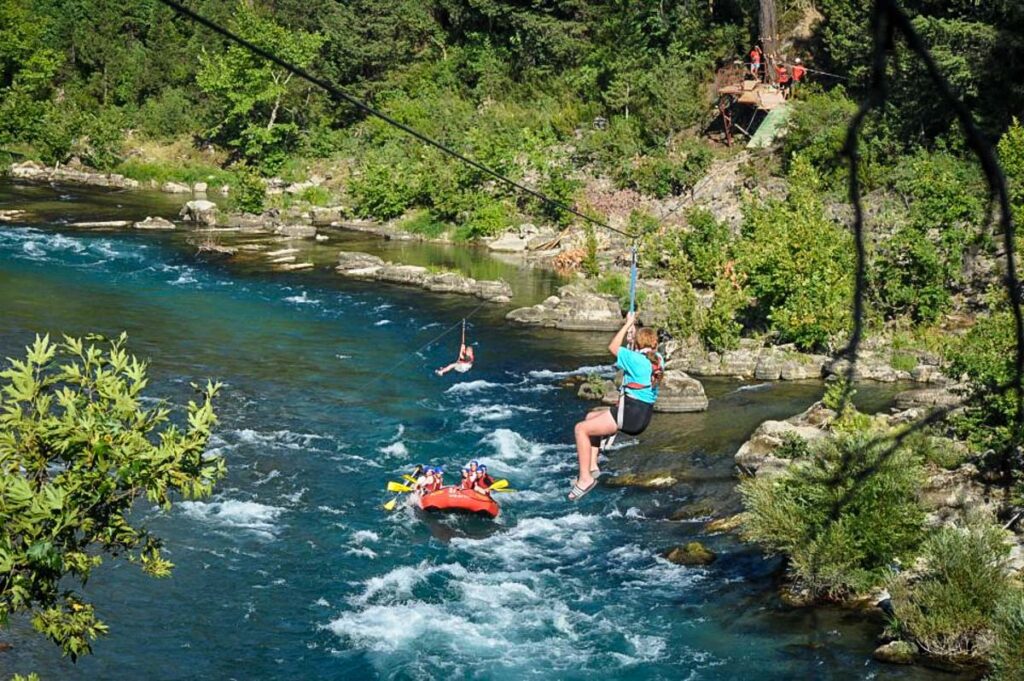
293 571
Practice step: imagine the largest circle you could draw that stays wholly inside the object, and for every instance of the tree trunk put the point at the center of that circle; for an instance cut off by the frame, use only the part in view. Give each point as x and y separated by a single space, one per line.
769 38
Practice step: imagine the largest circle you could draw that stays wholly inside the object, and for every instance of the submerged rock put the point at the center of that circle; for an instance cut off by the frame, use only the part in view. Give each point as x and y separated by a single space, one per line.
693 511
175 188
369 267
154 223
659 480
297 231
693 553
896 652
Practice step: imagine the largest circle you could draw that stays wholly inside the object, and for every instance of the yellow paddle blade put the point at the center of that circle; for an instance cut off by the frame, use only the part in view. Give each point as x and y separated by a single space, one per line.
499 484
504 489
409 478
390 506
398 487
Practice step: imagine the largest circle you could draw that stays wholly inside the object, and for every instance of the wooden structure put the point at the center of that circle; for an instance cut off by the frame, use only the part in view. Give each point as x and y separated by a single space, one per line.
741 98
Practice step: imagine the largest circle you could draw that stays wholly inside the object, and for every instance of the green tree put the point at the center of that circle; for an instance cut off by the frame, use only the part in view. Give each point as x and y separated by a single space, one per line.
77 450
798 264
257 117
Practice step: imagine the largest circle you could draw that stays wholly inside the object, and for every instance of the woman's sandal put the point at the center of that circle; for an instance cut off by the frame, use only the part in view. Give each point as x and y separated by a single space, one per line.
578 492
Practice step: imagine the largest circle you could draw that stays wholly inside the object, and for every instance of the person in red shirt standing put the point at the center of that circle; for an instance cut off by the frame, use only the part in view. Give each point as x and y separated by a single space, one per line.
755 61
799 73
782 77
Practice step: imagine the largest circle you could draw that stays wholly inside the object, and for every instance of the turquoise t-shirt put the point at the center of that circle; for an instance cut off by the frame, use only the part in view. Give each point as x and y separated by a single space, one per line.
637 369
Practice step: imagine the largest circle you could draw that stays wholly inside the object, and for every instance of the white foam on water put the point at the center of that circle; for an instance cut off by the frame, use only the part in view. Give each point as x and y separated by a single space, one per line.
755 386
471 387
395 449
363 536
606 370
497 412
362 551
249 516
344 356
382 322
277 439
302 299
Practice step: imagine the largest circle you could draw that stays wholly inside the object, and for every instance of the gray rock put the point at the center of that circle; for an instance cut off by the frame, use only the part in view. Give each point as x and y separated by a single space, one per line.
574 309
321 217
756 455
175 188
201 211
366 266
37 173
200 187
928 373
154 223
680 393
509 243
297 231
769 367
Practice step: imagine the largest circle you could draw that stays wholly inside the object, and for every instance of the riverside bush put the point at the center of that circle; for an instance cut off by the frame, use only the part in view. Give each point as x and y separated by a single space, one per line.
841 515
1007 656
948 607
798 264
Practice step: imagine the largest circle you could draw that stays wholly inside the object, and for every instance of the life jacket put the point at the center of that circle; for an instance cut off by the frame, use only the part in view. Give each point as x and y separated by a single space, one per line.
798 73
755 57
467 482
485 481
782 73
657 371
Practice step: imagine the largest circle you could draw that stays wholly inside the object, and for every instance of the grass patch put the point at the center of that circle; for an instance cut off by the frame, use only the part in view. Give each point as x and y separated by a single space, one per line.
162 171
423 223
902 361
315 196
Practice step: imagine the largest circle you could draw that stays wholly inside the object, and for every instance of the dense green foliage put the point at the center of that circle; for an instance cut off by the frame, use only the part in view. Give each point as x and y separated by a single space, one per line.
1007 656
77 449
840 516
947 608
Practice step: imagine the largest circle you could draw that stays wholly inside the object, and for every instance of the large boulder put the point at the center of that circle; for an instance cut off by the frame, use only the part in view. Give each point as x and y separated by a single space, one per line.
679 393
896 652
757 455
928 398
574 309
200 211
509 243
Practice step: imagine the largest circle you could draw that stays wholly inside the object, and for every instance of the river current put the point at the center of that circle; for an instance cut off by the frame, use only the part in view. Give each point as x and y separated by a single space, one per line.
292 570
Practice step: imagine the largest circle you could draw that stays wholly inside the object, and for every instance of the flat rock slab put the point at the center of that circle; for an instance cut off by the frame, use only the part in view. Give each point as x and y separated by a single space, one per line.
355 265
38 173
154 223
573 309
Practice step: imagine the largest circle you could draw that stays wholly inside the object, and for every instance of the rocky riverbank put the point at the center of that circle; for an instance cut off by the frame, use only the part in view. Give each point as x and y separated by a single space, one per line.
372 268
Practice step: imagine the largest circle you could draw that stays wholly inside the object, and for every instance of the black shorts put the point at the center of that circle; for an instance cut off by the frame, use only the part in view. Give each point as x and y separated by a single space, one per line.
636 415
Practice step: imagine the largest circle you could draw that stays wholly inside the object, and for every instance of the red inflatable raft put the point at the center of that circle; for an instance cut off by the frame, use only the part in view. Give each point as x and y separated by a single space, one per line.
458 499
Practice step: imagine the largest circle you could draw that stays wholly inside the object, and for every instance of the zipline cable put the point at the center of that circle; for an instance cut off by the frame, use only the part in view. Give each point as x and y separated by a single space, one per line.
366 108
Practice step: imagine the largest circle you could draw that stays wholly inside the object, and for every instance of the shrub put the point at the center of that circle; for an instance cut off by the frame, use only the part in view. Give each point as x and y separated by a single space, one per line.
793 446
381 189
590 265
488 217
948 608
249 194
719 326
840 516
316 196
683 314
167 115
706 245
798 264
1007 656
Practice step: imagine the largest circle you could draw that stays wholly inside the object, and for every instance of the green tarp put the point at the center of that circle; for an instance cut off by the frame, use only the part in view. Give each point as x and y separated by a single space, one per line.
772 125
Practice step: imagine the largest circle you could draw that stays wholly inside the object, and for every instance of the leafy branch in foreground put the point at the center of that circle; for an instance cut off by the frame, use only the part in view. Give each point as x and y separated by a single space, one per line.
77 448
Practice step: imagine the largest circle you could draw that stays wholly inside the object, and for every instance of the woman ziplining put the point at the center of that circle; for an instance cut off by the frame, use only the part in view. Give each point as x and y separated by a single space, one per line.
642 370
466 356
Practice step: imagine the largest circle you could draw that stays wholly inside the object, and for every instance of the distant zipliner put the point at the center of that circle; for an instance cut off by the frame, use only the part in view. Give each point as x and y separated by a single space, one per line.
642 369
466 357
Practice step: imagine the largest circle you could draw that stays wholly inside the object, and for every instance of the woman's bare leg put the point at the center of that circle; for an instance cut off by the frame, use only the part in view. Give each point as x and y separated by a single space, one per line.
595 442
444 370
599 426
